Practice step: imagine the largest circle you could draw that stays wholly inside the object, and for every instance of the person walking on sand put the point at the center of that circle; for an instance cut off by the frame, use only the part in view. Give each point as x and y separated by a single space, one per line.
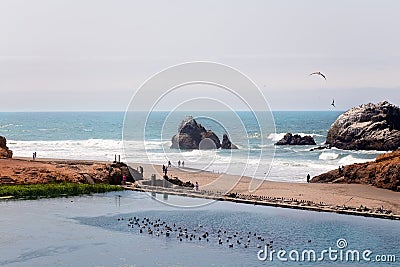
308 178
197 186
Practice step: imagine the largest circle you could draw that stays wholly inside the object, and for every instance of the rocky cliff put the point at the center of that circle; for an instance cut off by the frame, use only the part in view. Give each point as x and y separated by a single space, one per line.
15 171
4 151
296 139
192 135
384 172
367 127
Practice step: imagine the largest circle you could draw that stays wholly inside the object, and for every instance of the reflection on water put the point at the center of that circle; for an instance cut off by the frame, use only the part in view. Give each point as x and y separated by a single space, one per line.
100 231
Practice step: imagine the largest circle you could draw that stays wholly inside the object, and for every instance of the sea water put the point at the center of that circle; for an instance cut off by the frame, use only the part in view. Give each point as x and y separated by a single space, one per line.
85 231
89 231
102 135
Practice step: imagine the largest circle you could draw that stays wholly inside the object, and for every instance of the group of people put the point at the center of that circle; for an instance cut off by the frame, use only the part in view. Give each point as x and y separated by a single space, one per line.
165 169
181 163
169 164
341 169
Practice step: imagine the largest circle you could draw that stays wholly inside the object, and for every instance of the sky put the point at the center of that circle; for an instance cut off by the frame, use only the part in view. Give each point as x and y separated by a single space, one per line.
92 55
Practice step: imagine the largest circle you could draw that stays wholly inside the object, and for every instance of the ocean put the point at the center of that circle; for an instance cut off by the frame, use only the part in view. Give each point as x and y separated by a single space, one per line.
146 138
96 230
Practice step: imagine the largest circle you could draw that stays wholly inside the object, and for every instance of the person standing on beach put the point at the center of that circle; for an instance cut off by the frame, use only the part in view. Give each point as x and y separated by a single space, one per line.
308 178
166 171
183 164
179 163
169 163
197 186
163 168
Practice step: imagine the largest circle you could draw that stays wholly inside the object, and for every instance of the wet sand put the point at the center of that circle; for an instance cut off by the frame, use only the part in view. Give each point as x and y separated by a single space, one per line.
317 194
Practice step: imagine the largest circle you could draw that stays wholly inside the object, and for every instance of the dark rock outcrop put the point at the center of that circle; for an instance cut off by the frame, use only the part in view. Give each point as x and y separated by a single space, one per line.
367 127
177 181
115 173
321 147
226 143
4 151
384 172
192 135
296 139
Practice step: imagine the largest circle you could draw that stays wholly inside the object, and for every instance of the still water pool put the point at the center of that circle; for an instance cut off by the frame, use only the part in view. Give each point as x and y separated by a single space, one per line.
104 230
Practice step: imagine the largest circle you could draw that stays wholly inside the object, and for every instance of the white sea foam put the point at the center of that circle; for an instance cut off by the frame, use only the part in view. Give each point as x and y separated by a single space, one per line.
158 152
351 160
254 136
328 156
10 125
276 136
95 149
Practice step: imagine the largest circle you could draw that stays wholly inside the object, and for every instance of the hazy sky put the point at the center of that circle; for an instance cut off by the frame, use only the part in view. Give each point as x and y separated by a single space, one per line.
93 55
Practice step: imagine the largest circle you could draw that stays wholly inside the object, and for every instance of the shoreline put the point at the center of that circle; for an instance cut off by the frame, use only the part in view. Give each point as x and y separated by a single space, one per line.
257 202
351 199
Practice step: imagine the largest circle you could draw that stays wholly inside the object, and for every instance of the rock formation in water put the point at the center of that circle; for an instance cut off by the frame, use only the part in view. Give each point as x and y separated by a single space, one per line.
384 172
367 127
192 135
296 139
321 147
4 151
226 143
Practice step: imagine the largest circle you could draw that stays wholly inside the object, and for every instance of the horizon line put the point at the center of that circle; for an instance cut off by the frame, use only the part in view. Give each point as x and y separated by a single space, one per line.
124 111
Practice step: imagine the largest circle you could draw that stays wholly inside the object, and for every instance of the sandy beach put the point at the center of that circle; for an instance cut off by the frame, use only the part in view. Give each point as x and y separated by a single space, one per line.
349 195
324 195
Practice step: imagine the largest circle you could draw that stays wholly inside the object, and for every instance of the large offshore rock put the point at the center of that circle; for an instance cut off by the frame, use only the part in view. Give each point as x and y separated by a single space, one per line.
367 127
192 135
296 139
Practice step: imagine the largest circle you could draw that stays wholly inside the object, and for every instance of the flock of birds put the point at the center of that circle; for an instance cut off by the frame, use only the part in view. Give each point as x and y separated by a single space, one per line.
200 233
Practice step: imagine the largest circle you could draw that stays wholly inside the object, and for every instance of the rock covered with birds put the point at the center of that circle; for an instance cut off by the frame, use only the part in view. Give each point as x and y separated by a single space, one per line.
367 127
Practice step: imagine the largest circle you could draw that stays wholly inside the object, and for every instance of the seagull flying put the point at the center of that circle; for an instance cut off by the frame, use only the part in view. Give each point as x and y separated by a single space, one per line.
333 103
319 73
